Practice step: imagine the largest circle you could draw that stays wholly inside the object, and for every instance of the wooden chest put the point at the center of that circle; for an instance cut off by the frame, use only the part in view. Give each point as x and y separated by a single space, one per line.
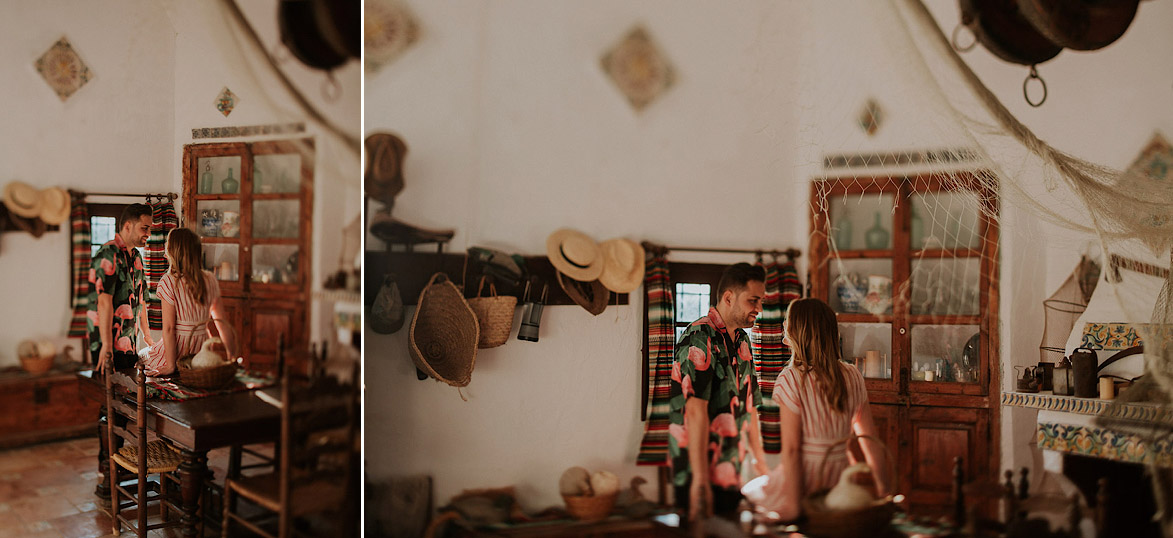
38 408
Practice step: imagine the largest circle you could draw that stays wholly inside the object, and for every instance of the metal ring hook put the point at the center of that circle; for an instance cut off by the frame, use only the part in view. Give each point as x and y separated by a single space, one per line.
1034 74
956 33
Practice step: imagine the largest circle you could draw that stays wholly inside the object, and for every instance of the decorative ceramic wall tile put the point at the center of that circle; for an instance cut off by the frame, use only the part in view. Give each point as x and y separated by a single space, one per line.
248 130
1110 336
1101 443
226 101
63 69
1133 411
638 68
870 117
389 29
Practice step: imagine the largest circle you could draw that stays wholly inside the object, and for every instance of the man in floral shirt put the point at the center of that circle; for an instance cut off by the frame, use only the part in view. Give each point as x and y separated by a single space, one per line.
714 399
118 291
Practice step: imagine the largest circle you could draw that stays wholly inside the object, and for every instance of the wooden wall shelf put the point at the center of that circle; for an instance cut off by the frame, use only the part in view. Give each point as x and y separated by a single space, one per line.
414 269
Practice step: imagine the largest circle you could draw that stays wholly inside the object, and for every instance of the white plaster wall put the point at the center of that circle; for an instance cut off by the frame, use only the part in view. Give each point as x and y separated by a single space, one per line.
112 135
514 131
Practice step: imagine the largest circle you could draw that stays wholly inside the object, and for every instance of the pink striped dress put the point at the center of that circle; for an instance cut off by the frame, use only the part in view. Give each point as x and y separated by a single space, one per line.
191 318
822 425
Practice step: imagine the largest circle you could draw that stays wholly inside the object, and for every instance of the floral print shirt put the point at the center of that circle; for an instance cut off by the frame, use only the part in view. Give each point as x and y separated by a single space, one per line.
711 365
117 269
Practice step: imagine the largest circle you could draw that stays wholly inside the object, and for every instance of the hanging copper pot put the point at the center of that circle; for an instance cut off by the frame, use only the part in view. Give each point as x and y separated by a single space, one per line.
1001 28
1080 24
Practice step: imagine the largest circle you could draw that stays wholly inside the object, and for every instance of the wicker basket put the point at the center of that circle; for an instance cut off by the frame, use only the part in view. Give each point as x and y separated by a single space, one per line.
494 316
443 335
205 378
870 520
37 365
590 507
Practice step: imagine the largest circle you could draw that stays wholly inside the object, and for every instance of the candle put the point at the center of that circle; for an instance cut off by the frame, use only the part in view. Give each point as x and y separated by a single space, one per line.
1107 388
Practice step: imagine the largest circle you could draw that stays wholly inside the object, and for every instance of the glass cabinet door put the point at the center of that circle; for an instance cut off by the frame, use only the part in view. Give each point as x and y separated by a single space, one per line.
869 347
861 222
944 220
861 286
946 353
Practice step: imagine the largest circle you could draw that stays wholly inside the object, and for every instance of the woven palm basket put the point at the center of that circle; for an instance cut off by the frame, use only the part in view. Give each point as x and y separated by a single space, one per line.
867 521
444 333
205 378
494 316
161 458
590 507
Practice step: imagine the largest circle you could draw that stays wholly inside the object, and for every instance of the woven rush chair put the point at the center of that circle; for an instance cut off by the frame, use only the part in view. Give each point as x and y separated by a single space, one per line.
318 459
129 424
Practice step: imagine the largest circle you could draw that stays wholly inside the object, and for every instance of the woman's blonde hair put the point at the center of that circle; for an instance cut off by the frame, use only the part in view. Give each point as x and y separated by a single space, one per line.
814 344
187 255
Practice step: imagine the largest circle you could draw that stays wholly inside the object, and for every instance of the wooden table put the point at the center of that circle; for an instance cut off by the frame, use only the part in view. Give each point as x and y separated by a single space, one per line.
195 427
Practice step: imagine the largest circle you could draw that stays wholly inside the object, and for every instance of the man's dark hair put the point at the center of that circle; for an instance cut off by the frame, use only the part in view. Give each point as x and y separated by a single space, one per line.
736 276
133 212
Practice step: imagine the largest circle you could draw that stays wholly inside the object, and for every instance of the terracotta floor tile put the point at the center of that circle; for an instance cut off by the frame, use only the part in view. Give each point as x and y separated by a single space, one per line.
84 525
51 476
32 509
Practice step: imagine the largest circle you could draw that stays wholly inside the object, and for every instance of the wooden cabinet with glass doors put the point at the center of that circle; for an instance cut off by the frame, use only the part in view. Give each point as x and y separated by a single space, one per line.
910 266
252 206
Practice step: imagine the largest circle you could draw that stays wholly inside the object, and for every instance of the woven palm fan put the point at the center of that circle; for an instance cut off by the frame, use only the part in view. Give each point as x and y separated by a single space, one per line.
443 335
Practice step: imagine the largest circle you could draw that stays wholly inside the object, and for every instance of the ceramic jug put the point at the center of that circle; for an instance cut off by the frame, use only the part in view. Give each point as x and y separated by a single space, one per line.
879 297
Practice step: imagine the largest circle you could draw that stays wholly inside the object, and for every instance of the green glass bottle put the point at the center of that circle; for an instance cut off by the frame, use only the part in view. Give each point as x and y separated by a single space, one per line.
230 184
877 237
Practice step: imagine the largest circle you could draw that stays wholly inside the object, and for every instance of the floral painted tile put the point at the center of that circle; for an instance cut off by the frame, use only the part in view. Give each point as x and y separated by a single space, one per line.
63 69
389 29
1111 336
226 101
1103 443
638 68
870 117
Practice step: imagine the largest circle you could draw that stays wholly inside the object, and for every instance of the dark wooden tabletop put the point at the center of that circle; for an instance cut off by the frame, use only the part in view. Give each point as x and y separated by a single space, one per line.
212 422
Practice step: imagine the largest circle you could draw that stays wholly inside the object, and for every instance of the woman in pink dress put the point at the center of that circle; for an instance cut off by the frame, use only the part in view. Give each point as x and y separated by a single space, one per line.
192 310
821 400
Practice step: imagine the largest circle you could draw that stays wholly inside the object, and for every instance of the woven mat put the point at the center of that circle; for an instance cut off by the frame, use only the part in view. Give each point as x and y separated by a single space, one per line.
170 389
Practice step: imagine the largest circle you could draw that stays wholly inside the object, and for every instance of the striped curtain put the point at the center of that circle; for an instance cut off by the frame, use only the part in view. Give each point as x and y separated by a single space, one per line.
653 448
79 271
770 354
163 213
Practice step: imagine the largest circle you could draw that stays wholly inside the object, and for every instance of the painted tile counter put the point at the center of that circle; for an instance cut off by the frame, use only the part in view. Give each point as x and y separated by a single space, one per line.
1067 424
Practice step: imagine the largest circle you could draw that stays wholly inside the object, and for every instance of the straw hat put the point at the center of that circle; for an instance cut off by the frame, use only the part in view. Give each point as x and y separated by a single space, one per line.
22 199
444 333
623 265
592 296
575 254
54 205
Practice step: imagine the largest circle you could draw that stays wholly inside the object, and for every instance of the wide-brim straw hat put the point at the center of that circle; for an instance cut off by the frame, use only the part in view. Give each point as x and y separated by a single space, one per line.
22 199
575 254
592 296
444 333
54 205
384 174
623 265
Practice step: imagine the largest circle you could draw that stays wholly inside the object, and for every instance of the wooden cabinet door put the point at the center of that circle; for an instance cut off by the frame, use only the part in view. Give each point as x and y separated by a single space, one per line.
935 436
267 322
234 311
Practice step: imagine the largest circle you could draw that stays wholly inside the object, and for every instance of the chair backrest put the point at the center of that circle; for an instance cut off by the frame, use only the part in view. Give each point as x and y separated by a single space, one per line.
120 384
319 432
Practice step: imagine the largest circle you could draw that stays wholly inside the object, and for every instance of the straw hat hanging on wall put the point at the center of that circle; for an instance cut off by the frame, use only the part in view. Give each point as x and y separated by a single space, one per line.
574 254
22 199
54 205
592 296
623 265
